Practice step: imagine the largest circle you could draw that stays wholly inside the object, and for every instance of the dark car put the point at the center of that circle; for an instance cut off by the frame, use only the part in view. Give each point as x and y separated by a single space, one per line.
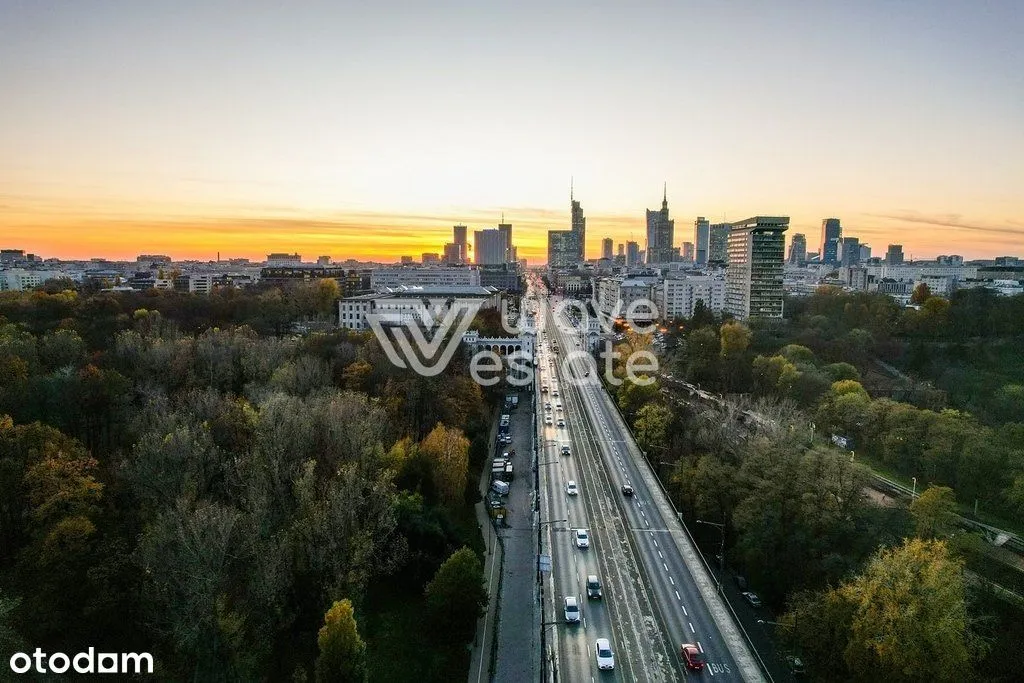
796 666
741 582
692 655
593 587
751 598
627 490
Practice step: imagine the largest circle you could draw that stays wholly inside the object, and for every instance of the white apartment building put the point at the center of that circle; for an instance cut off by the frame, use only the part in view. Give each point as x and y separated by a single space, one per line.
629 297
438 276
410 305
20 279
677 297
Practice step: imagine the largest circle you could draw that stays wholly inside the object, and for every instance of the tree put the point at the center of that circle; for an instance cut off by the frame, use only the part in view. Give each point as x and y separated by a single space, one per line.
327 293
934 512
651 426
456 598
342 652
735 338
447 450
910 617
840 371
921 294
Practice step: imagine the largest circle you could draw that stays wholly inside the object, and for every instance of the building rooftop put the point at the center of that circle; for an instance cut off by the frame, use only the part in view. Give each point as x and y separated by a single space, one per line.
428 290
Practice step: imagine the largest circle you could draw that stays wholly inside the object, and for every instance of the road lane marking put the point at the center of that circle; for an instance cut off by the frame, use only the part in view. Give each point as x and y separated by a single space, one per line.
685 613
671 580
660 555
691 627
699 646
677 596
665 566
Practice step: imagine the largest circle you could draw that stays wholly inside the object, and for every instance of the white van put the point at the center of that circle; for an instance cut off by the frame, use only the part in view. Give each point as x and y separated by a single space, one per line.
500 487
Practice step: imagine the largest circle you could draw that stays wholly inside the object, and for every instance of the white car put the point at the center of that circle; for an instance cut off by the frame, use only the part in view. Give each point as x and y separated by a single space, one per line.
582 538
605 657
572 610
561 422
547 420
571 488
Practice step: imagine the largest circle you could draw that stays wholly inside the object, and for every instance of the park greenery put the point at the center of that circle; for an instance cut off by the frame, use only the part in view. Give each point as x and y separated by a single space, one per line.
184 475
869 588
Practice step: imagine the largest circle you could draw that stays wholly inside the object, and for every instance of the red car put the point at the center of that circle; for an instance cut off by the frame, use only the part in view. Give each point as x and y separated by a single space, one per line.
692 655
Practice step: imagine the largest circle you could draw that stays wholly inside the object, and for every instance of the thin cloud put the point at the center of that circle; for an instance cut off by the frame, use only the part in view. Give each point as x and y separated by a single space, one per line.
952 221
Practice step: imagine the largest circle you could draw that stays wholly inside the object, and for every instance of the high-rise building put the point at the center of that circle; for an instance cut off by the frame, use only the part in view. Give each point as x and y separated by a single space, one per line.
831 233
660 233
754 278
865 253
453 253
506 230
578 226
632 254
606 248
489 247
894 255
622 249
459 238
406 260
562 250
798 249
718 243
688 251
849 251
430 258
701 238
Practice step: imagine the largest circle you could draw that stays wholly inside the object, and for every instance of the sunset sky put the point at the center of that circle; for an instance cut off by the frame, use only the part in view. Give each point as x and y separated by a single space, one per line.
367 129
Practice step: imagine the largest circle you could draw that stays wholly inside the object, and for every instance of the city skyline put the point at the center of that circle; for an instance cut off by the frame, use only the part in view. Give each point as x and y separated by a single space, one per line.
325 122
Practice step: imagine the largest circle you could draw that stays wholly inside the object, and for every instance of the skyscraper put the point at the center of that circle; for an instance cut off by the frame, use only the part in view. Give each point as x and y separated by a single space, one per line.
506 230
660 233
894 255
578 226
849 251
688 251
701 237
453 253
754 276
798 249
865 253
459 238
489 247
718 243
831 233
632 254
562 249
622 249
606 248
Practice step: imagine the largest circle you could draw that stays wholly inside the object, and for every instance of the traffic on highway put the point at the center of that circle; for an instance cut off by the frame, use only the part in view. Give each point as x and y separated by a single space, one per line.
628 596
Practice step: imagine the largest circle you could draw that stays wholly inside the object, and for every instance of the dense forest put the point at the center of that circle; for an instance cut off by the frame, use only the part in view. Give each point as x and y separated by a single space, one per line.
866 590
183 476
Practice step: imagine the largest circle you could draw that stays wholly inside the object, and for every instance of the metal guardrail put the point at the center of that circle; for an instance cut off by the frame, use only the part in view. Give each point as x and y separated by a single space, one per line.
686 530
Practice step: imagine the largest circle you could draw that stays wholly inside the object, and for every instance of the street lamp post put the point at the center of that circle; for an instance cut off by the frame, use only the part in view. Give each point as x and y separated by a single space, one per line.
721 552
913 493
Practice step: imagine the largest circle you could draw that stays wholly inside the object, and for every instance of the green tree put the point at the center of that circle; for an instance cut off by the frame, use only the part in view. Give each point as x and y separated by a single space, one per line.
456 598
842 371
934 512
651 426
735 338
342 652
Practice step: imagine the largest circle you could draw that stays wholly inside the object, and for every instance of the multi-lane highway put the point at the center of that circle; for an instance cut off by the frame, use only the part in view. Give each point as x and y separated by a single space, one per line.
656 592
